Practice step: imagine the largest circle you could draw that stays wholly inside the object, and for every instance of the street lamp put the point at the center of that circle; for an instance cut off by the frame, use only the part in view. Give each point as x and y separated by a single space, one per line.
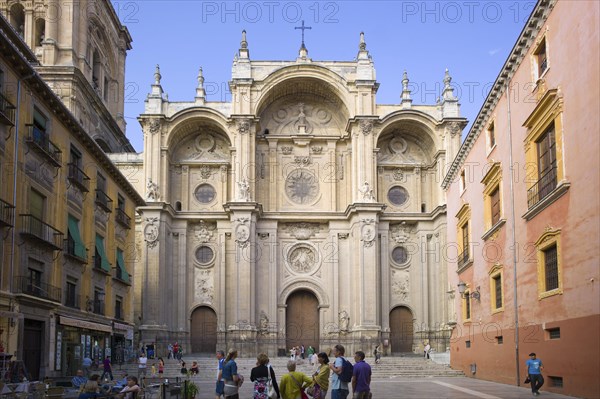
462 287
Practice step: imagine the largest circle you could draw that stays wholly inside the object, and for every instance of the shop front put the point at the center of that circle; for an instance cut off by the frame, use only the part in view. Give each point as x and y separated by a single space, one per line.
122 344
77 339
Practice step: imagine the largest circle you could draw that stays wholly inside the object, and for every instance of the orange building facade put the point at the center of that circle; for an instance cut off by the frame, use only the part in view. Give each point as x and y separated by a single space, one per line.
523 211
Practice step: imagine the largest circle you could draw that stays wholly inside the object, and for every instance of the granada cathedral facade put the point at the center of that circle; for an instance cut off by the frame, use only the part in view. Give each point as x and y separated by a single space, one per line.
300 212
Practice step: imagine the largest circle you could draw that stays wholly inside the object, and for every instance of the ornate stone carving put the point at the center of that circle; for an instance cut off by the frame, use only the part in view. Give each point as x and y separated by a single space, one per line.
302 161
204 232
316 149
151 232
454 128
153 126
301 187
300 119
398 174
368 235
302 258
400 232
242 232
401 285
303 231
243 126
367 193
366 126
152 193
343 236
204 291
205 172
286 149
243 191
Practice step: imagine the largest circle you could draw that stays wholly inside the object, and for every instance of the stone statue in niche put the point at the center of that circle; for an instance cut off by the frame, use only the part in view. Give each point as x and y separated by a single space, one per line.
152 190
244 190
367 193
344 321
263 324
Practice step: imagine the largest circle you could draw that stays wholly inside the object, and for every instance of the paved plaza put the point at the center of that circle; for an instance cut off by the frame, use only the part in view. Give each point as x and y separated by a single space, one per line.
409 388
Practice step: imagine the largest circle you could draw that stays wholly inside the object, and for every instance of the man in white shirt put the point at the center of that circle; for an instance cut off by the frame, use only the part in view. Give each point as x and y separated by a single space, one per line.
142 364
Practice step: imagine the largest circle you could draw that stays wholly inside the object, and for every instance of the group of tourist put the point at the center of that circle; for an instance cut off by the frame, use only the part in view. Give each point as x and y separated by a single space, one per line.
91 388
296 384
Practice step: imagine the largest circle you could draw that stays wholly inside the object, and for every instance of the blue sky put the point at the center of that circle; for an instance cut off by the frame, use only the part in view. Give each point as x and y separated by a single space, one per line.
470 38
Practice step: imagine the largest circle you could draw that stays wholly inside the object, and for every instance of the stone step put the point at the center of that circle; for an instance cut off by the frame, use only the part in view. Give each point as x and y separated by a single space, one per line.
390 367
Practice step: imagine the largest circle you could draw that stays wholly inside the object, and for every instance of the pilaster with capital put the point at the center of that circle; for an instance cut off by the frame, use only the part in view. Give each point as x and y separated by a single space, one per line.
244 168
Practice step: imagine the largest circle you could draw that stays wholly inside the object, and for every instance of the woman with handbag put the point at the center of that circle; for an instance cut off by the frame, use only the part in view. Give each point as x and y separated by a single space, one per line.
263 376
318 389
293 383
233 380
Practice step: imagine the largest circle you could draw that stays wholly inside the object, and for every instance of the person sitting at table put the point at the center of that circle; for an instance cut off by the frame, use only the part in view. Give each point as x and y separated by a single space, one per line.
91 388
131 390
79 380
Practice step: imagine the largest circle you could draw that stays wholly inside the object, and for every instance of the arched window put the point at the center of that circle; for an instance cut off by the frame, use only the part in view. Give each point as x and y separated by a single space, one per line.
40 31
96 70
103 145
17 18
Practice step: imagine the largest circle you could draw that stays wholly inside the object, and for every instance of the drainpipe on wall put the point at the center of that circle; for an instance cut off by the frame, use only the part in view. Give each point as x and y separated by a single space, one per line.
514 240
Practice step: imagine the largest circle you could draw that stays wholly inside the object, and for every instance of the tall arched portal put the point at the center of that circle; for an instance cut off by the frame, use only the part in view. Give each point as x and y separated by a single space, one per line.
302 320
203 330
401 326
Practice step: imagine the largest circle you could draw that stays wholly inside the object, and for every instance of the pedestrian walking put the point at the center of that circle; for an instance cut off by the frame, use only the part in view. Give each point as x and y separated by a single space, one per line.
361 377
293 382
233 380
220 385
426 350
260 375
339 388
107 368
534 369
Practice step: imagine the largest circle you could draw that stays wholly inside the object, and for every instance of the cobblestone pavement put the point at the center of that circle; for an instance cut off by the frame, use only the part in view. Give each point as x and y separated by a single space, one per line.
409 388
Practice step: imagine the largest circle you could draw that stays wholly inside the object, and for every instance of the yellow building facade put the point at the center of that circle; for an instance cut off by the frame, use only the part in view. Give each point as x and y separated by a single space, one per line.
66 230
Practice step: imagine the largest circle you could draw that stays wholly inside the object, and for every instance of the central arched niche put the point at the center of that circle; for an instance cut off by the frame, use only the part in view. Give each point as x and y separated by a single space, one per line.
199 157
303 106
406 142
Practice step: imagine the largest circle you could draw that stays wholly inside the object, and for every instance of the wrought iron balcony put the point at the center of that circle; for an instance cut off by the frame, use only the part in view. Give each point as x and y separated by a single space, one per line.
26 285
73 301
40 142
463 258
7 214
78 178
75 251
42 232
97 262
7 111
122 218
542 187
103 200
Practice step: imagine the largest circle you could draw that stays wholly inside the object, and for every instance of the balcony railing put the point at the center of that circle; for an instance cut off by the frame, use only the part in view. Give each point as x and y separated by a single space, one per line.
78 178
25 285
41 231
7 214
40 142
7 111
463 258
75 251
97 261
542 187
103 200
122 218
73 301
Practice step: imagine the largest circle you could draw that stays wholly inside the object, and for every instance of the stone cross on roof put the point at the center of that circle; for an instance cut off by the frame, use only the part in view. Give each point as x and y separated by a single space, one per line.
303 28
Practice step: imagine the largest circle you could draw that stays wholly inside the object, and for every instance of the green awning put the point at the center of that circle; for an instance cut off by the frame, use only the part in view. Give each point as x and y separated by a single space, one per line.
121 266
104 265
79 249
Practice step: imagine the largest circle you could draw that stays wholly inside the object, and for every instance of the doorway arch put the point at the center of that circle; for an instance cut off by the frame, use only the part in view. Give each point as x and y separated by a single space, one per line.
302 319
402 330
203 330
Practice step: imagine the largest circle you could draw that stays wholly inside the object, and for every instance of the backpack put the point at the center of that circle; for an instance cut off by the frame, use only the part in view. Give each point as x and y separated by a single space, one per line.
347 370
